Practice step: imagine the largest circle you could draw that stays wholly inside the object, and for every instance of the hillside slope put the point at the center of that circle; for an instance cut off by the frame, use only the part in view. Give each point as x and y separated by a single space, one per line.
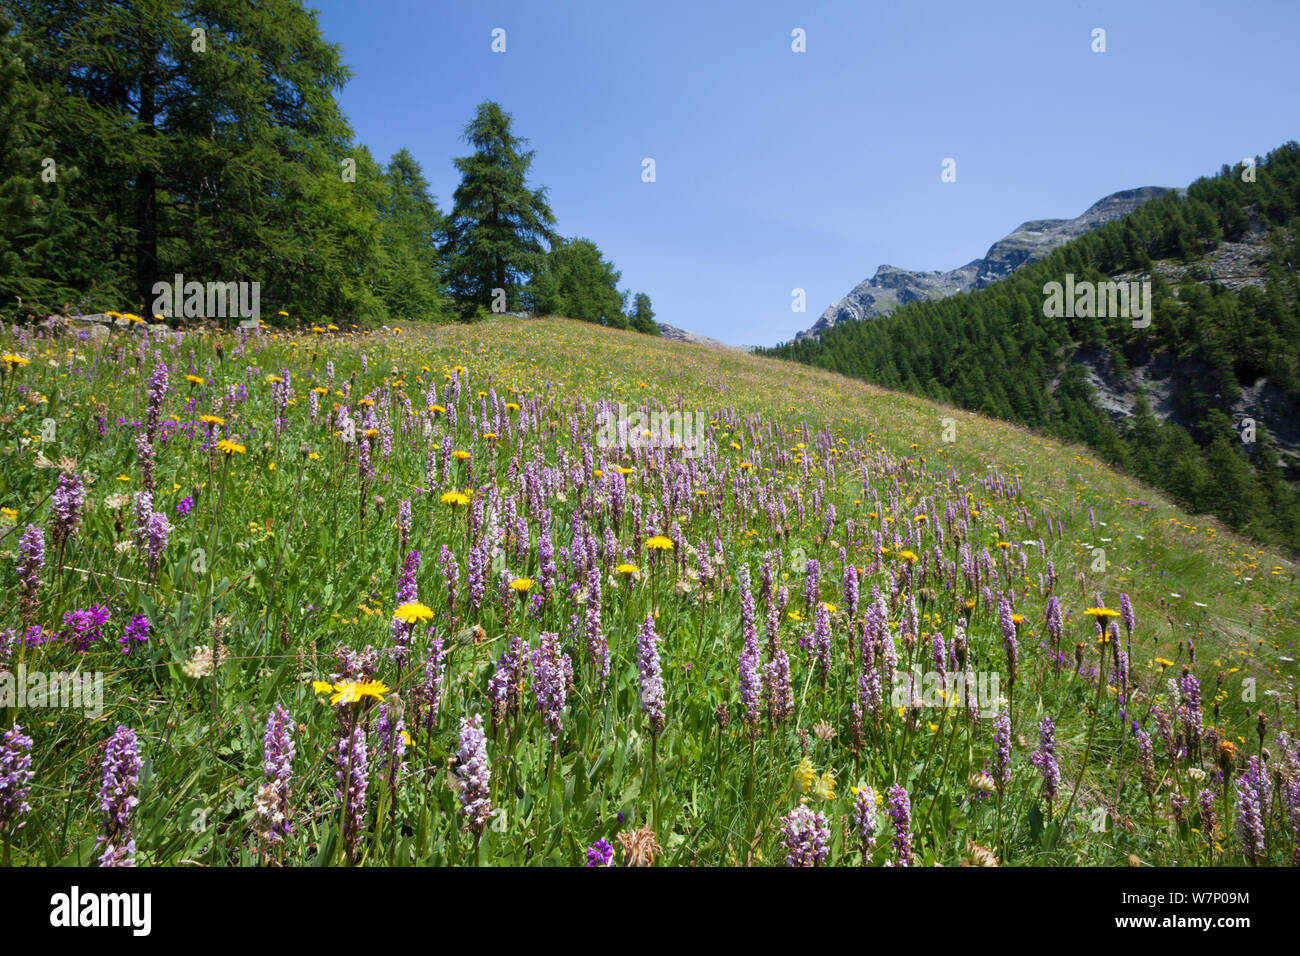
1151 541
425 560
1200 398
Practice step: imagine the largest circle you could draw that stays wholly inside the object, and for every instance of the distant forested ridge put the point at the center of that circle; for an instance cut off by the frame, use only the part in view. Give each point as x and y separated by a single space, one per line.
149 140
1204 402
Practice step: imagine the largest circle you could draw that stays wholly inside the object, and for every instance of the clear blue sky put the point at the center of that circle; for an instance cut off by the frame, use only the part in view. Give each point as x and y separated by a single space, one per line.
777 169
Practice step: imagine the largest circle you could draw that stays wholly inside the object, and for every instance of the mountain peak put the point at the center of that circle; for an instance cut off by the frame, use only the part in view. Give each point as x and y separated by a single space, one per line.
892 287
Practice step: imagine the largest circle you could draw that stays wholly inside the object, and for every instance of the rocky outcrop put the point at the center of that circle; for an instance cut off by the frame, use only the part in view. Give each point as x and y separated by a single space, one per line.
674 334
1167 382
892 287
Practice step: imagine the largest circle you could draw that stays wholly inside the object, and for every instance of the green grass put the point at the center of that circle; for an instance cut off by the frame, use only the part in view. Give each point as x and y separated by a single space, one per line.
290 569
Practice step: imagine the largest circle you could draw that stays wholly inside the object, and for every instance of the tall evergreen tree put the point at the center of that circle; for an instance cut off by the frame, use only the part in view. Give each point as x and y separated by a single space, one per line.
209 143
497 225
36 242
410 223
643 316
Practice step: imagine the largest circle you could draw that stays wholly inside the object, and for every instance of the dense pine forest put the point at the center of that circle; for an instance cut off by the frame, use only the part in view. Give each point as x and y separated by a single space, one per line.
1224 335
148 140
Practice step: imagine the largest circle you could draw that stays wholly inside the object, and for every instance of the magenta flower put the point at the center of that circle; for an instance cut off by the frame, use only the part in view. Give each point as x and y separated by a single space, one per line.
552 671
864 820
277 763
1044 758
85 626
119 780
805 834
1002 748
31 560
475 775
352 759
15 779
780 694
65 506
900 811
651 674
136 632
428 693
600 853
1252 806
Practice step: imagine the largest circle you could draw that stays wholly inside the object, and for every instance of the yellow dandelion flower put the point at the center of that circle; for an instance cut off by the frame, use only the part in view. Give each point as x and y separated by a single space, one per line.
1101 612
413 613
353 691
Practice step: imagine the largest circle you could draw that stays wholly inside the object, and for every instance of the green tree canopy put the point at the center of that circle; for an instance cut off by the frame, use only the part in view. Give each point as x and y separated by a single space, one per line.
35 224
576 281
643 316
410 222
209 143
497 225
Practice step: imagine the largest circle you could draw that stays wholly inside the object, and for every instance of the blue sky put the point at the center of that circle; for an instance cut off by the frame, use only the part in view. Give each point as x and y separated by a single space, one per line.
779 170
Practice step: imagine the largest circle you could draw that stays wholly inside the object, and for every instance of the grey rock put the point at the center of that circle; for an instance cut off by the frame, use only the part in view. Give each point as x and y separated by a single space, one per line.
1165 379
674 334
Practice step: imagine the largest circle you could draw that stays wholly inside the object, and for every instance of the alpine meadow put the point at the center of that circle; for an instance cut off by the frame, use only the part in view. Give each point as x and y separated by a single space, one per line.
345 527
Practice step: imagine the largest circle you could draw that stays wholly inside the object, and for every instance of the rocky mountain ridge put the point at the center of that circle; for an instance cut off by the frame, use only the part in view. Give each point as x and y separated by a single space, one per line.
892 287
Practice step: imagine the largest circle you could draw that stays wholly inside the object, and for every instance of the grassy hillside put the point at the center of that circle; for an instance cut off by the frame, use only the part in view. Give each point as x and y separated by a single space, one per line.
282 556
1198 396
